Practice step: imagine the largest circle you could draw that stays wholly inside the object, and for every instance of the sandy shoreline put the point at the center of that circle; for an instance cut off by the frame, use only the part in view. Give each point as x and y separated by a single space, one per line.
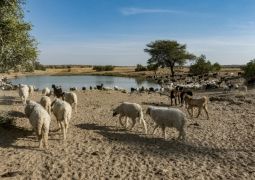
97 148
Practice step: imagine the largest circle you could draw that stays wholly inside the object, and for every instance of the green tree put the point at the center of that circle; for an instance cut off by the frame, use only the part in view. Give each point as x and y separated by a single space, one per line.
166 53
17 47
140 67
201 66
249 69
153 67
216 67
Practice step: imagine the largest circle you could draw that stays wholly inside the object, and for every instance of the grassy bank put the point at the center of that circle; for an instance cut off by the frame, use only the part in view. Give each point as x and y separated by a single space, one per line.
118 71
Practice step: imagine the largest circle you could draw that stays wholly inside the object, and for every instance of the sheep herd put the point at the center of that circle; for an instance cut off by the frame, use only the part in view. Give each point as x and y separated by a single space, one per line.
63 102
61 107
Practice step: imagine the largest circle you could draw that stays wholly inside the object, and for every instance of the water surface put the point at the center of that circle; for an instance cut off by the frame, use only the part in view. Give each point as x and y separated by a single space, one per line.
83 80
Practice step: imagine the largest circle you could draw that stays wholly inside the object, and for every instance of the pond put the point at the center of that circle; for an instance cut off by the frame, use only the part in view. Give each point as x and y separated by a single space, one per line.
83 80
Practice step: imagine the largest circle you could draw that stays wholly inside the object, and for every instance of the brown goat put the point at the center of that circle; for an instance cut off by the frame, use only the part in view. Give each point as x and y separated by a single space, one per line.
199 103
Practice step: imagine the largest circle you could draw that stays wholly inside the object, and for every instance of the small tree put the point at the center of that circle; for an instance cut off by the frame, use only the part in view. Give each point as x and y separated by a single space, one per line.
201 66
216 67
153 67
249 69
140 67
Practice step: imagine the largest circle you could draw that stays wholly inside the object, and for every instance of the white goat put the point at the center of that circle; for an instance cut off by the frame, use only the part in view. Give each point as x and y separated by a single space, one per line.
46 103
198 102
46 91
71 98
23 92
40 121
168 117
63 112
130 110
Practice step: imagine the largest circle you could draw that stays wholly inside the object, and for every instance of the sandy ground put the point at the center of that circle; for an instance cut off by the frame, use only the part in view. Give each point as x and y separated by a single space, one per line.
222 147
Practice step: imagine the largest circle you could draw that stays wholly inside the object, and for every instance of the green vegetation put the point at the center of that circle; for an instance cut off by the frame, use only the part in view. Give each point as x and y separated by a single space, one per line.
166 53
140 67
249 69
103 68
203 66
18 49
39 66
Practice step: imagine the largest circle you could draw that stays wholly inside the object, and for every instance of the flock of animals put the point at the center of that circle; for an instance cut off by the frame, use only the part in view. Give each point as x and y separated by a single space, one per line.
39 114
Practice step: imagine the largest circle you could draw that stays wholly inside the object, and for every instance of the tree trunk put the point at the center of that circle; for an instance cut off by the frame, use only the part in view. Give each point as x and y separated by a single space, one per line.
172 71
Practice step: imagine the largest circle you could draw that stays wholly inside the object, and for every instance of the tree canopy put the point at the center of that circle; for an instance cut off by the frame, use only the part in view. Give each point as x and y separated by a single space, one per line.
167 53
17 47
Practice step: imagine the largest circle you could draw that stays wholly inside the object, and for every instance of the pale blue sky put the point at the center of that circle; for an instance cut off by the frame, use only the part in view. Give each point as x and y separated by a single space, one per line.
117 31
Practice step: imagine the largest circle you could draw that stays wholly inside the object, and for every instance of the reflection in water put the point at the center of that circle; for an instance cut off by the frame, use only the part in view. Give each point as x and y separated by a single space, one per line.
80 81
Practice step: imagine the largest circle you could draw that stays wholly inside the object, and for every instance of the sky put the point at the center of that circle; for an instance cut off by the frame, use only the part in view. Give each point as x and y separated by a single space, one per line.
115 32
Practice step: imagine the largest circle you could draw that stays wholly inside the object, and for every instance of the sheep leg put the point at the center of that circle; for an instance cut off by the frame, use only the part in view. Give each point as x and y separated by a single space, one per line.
163 131
121 121
206 110
155 129
181 134
133 123
75 107
199 111
40 139
63 130
45 138
175 101
144 125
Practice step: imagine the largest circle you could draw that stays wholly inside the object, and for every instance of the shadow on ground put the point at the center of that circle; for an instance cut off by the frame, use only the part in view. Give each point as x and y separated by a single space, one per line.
148 144
9 100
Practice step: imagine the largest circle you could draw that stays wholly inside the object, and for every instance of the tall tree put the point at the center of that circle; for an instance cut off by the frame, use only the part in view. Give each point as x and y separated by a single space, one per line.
17 47
166 53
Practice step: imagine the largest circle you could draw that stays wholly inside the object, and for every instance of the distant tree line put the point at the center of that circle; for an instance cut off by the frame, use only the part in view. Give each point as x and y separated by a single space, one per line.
18 49
103 68
66 66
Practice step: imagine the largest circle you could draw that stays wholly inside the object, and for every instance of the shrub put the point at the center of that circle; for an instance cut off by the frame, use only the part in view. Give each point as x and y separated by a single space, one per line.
39 66
203 66
140 67
104 68
249 69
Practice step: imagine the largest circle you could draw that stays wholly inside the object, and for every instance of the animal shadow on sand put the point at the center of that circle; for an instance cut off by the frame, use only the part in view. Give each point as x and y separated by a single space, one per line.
9 100
147 144
156 104
9 133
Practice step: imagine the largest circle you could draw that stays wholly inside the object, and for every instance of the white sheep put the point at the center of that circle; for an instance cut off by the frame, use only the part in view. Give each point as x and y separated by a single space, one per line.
130 110
46 91
168 117
71 98
23 92
40 121
63 112
46 103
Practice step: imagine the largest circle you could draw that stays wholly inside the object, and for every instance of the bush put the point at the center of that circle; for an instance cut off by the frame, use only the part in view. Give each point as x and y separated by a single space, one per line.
103 68
216 67
140 67
203 66
249 69
39 66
